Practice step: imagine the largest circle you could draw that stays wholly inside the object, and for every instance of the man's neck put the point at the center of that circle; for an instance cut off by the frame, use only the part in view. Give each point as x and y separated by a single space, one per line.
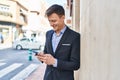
58 32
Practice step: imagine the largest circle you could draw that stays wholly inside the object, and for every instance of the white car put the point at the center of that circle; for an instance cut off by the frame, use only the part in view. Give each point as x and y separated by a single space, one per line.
27 43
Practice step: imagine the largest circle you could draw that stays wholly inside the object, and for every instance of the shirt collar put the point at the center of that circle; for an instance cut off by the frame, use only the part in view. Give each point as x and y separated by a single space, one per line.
62 31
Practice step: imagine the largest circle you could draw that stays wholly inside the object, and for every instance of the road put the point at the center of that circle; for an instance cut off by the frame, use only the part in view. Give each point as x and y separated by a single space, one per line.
15 64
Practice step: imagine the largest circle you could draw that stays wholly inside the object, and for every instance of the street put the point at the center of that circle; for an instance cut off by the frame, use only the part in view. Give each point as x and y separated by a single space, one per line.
15 64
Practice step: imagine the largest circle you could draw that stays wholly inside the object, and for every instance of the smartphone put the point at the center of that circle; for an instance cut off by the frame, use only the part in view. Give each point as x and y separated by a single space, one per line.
36 53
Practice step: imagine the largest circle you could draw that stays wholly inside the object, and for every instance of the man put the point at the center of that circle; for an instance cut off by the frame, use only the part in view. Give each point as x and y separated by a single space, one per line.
62 47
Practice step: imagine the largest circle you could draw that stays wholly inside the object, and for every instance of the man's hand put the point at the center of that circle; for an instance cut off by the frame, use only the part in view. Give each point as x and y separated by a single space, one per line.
46 58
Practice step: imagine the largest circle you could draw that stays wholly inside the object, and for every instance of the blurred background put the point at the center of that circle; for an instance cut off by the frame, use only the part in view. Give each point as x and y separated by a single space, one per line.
96 20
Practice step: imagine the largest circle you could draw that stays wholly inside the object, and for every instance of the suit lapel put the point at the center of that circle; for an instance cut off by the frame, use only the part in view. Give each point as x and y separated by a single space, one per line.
50 43
62 39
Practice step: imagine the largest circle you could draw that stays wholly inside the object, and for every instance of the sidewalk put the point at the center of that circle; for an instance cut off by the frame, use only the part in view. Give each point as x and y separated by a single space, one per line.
38 73
4 46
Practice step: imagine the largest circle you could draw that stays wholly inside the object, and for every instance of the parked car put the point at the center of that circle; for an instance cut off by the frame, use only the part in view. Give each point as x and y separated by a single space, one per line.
27 43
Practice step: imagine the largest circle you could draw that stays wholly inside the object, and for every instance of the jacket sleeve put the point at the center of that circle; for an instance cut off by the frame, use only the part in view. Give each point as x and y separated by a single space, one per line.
45 48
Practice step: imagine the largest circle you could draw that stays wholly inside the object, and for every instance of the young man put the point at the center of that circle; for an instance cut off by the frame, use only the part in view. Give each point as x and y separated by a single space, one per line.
62 48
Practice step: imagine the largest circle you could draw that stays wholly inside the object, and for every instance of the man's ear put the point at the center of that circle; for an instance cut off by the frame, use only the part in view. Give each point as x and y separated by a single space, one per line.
63 17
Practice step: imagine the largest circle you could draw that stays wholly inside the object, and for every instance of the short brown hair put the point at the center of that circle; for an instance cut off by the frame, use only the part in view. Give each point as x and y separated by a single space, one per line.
59 10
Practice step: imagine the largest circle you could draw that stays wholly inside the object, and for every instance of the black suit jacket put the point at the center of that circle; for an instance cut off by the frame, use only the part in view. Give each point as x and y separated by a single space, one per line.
67 54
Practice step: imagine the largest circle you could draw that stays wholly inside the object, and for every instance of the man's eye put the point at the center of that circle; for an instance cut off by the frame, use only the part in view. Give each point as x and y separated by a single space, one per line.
53 21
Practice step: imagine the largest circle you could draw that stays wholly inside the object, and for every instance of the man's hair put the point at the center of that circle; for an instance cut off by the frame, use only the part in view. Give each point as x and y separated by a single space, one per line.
59 10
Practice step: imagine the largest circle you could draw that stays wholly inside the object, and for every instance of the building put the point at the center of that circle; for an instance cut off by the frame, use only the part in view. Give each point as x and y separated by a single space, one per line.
37 24
98 23
12 18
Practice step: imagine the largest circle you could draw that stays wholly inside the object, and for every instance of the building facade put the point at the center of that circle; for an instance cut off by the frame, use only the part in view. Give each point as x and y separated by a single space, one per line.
99 27
12 18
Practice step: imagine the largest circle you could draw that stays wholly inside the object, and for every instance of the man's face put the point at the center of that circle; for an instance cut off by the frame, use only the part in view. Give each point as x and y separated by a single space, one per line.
56 22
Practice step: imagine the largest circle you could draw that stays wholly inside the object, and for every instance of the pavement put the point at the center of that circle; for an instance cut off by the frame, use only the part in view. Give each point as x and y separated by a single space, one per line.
37 74
5 45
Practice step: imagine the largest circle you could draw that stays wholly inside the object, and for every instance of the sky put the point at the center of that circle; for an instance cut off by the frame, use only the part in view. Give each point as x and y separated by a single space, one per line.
61 2
34 4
